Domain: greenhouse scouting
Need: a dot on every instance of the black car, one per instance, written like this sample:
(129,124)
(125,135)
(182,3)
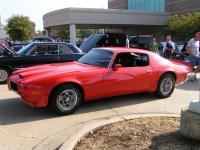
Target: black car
(36,53)
(140,41)
(104,40)
(179,53)
(17,46)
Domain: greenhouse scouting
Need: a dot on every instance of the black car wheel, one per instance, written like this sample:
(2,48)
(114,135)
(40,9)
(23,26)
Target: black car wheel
(165,86)
(4,74)
(66,99)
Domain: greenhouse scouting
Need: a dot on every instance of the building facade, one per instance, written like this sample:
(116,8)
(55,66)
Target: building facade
(133,17)
(173,6)
(156,6)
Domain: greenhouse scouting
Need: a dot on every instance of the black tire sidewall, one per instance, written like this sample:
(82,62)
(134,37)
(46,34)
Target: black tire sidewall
(54,103)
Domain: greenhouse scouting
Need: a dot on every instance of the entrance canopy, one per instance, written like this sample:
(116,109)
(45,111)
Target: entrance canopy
(84,18)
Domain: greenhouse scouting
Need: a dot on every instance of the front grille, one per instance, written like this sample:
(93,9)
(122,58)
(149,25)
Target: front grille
(13,86)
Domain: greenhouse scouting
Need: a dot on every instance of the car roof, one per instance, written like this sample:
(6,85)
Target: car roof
(49,43)
(123,49)
(42,37)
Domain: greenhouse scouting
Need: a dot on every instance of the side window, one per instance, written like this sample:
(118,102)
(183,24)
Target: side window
(64,50)
(41,49)
(132,60)
(53,49)
(33,51)
(142,60)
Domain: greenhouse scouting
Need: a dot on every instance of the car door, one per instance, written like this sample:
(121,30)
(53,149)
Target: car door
(135,75)
(43,54)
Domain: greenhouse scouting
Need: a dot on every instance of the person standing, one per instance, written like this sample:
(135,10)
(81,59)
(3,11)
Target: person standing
(127,42)
(168,47)
(84,39)
(154,46)
(193,50)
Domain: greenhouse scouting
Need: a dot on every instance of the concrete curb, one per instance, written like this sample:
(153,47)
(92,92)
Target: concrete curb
(83,129)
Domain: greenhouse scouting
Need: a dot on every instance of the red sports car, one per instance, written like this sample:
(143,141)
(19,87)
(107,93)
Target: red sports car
(103,72)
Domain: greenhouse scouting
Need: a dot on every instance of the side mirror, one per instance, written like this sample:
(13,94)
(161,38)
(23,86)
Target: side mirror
(117,66)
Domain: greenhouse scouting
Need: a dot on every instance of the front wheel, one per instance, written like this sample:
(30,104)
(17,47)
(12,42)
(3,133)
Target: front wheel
(66,99)
(4,74)
(165,86)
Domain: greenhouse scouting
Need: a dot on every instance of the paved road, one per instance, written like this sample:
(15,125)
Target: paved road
(24,127)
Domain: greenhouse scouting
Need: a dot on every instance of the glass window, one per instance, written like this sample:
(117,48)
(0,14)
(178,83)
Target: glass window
(146,5)
(97,57)
(41,49)
(64,50)
(53,49)
(25,50)
(131,59)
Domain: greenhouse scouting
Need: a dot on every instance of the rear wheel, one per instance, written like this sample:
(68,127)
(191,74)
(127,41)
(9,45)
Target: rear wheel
(66,99)
(165,86)
(4,74)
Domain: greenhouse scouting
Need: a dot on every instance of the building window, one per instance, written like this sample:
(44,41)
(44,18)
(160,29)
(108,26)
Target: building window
(146,5)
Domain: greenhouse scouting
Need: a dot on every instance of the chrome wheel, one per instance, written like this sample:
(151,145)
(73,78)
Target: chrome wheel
(4,73)
(165,86)
(67,100)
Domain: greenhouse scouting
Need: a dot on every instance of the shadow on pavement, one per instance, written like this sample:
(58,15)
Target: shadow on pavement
(13,111)
(189,86)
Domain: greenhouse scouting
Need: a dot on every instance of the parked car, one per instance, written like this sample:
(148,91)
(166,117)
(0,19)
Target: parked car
(104,40)
(36,54)
(179,54)
(41,39)
(140,41)
(102,72)
(17,46)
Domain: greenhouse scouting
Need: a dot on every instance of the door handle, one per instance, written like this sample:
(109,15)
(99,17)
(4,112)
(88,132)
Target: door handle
(149,71)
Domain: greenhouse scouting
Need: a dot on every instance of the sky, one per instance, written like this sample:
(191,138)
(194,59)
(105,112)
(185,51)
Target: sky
(35,9)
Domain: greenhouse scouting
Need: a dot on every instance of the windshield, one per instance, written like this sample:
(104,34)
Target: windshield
(97,57)
(25,49)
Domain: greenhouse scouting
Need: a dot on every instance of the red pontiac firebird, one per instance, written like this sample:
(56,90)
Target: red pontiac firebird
(102,72)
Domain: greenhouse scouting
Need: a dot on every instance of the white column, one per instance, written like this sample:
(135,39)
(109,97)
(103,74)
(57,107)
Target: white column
(72,33)
(48,32)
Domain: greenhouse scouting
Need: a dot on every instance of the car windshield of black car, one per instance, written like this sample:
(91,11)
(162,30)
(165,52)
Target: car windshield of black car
(25,49)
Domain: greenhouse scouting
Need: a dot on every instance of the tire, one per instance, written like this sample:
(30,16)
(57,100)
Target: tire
(66,99)
(165,86)
(4,74)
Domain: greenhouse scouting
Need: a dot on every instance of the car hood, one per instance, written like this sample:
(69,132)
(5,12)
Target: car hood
(54,69)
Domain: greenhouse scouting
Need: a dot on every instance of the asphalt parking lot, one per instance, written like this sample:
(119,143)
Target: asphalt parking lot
(24,127)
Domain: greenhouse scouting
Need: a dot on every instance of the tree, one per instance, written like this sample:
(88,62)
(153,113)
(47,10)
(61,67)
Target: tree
(182,28)
(63,33)
(43,32)
(85,32)
(20,27)
(39,32)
